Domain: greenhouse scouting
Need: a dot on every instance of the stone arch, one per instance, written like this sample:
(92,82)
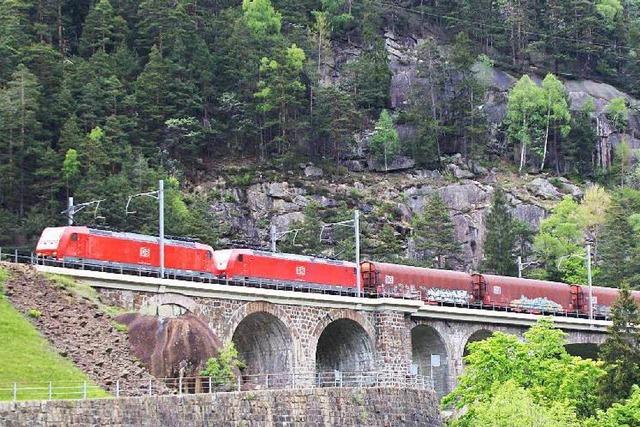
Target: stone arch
(426,345)
(343,340)
(584,344)
(168,305)
(478,335)
(264,338)
(584,350)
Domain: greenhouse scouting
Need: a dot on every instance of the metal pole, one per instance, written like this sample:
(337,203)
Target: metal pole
(161,224)
(273,238)
(519,266)
(70,211)
(589,282)
(356,226)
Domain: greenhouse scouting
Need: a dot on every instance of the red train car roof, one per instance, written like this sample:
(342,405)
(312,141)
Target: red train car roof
(517,281)
(287,256)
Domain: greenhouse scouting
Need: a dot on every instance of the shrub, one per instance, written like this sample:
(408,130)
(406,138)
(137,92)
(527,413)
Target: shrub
(34,313)
(221,368)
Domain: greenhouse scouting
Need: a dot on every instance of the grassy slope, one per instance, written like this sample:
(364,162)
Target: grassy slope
(28,359)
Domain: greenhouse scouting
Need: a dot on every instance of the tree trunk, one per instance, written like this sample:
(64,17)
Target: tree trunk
(546,133)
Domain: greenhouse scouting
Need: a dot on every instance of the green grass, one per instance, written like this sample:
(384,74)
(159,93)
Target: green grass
(27,359)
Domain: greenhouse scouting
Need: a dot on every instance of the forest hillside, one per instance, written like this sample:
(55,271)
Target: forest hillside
(438,120)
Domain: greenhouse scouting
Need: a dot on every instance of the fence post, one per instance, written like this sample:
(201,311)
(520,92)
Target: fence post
(210,388)
(150,387)
(239,383)
(180,384)
(15,255)
(50,390)
(15,391)
(117,388)
(84,390)
(0,253)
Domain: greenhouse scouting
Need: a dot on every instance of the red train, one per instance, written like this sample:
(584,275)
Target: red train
(126,251)
(129,251)
(248,264)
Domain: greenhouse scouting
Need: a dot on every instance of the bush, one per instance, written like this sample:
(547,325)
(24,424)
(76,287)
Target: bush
(221,368)
(120,327)
(33,313)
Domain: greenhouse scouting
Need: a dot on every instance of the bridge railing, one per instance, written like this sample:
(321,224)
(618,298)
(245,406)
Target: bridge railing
(202,384)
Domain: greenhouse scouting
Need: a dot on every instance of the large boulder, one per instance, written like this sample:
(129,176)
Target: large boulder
(540,187)
(167,346)
(397,164)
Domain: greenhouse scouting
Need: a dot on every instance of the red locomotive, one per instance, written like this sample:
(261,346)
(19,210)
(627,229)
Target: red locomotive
(125,251)
(248,264)
(137,252)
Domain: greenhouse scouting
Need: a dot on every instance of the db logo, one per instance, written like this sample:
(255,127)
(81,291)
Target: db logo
(145,252)
(300,270)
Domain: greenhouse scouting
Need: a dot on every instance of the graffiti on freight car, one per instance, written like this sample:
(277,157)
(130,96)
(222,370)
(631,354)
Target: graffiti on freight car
(541,304)
(601,310)
(450,296)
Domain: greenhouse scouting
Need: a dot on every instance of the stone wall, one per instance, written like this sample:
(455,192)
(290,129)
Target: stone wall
(317,407)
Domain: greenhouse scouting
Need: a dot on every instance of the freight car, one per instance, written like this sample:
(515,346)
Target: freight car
(428,284)
(532,296)
(254,265)
(125,251)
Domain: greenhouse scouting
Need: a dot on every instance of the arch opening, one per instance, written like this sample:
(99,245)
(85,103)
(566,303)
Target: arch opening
(264,344)
(584,350)
(478,335)
(344,346)
(429,357)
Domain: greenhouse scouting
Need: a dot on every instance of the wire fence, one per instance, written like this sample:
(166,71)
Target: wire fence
(197,385)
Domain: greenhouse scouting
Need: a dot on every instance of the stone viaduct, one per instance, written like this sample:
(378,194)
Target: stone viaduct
(283,331)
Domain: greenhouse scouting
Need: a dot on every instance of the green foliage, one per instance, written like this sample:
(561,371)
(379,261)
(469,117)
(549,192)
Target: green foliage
(502,237)
(540,366)
(369,78)
(620,414)
(124,329)
(512,405)
(536,112)
(261,18)
(618,249)
(433,234)
(562,238)
(621,350)
(385,143)
(103,29)
(34,313)
(222,368)
(617,112)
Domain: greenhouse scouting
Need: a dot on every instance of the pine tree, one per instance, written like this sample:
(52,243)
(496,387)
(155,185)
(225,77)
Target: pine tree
(103,29)
(621,351)
(617,243)
(501,237)
(19,128)
(434,234)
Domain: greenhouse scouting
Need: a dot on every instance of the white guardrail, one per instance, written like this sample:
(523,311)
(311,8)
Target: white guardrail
(195,385)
